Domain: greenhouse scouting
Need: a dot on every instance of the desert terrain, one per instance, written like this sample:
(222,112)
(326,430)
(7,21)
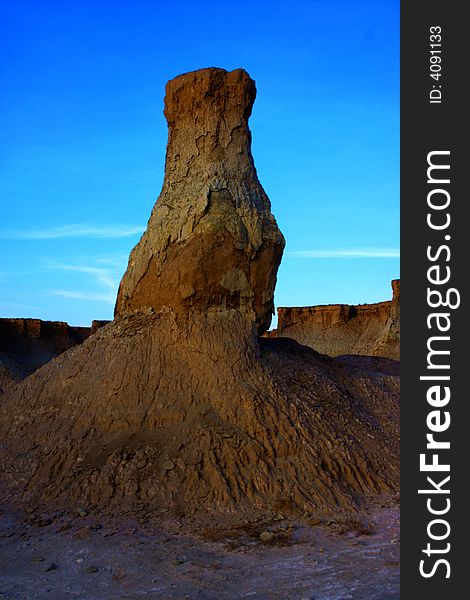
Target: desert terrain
(180,450)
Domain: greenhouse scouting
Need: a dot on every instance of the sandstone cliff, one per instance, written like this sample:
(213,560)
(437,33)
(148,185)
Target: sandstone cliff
(337,329)
(178,405)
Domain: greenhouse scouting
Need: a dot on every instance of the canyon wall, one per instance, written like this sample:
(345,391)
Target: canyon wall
(339,329)
(27,344)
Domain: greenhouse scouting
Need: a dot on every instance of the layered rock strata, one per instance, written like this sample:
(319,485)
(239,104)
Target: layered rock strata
(337,329)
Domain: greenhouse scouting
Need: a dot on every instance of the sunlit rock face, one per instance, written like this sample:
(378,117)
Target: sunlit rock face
(338,329)
(211,241)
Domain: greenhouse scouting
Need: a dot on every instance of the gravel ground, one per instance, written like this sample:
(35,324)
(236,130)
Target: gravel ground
(91,560)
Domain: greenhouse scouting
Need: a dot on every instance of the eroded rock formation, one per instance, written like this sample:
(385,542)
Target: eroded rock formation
(177,404)
(211,241)
(338,329)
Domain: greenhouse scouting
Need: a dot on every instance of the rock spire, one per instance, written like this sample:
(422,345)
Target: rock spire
(211,241)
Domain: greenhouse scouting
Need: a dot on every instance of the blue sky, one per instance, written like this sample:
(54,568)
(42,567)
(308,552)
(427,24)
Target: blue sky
(82,140)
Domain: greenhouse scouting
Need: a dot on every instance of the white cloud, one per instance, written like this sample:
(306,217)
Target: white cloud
(96,297)
(75,231)
(116,260)
(348,253)
(105,279)
(103,276)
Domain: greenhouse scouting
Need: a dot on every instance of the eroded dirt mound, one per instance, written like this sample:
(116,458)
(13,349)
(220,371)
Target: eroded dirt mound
(196,415)
(27,344)
(177,405)
(10,372)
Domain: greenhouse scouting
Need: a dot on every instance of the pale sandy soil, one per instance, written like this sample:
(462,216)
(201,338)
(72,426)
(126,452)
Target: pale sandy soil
(91,560)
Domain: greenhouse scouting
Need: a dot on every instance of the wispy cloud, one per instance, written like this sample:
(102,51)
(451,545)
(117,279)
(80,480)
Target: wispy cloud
(103,276)
(107,279)
(108,298)
(75,231)
(119,261)
(348,253)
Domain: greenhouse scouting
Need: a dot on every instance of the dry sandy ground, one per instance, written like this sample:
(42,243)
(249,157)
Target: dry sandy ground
(92,560)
